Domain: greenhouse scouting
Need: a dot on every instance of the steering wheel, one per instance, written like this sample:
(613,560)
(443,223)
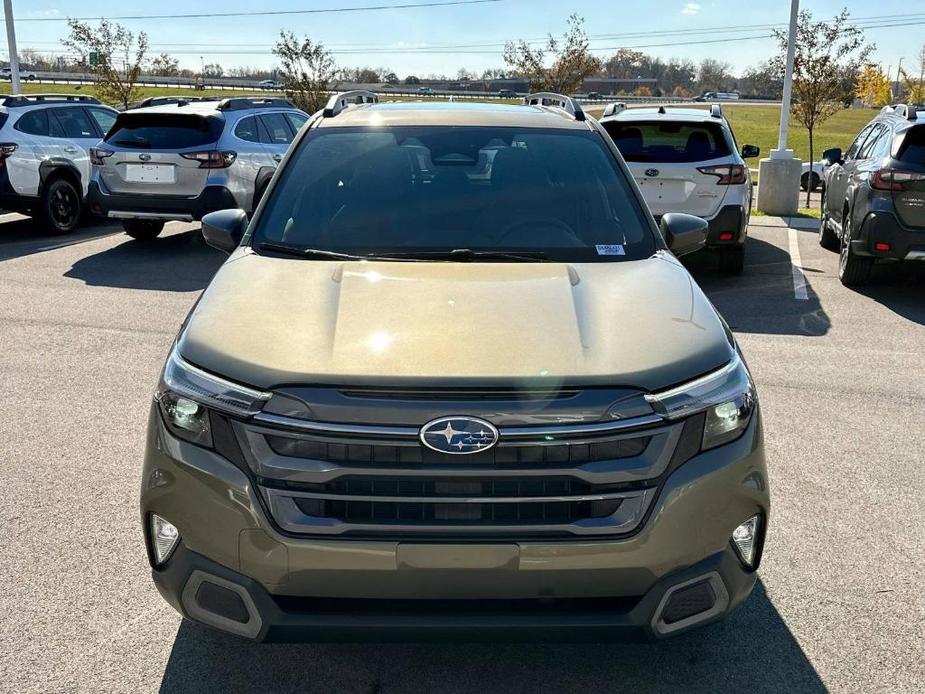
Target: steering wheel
(531,224)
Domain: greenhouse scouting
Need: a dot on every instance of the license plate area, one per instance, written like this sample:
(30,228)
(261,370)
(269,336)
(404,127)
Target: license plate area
(150,173)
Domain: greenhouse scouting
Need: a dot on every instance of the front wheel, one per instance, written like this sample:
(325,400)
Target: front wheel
(143,229)
(60,206)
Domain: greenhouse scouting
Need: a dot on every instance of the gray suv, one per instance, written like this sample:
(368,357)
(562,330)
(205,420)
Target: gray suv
(180,161)
(873,210)
(454,380)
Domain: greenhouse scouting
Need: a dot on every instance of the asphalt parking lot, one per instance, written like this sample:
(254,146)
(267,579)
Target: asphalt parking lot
(85,323)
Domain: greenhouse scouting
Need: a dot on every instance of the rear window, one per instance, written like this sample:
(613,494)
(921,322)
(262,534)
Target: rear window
(913,147)
(668,142)
(164,130)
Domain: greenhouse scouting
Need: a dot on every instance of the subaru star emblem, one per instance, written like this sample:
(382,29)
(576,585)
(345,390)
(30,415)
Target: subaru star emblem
(144,157)
(651,173)
(459,435)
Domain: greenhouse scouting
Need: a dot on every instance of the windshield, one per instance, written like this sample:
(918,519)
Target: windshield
(406,191)
(668,142)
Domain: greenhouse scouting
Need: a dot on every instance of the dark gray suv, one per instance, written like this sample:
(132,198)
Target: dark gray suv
(874,205)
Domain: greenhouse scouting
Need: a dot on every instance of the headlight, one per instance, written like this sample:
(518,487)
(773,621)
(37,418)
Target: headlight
(186,394)
(726,395)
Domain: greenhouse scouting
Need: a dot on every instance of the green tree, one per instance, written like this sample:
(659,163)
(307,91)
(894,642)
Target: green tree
(307,69)
(560,65)
(117,54)
(165,66)
(826,63)
(915,88)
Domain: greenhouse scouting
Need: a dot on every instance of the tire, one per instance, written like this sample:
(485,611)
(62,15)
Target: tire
(732,260)
(827,237)
(143,229)
(60,207)
(853,270)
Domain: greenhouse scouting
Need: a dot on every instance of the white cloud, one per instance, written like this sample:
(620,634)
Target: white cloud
(690,8)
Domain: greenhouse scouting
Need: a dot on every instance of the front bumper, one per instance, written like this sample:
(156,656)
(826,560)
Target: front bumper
(904,242)
(296,588)
(119,206)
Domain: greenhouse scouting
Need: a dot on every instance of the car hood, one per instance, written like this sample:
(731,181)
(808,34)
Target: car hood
(268,321)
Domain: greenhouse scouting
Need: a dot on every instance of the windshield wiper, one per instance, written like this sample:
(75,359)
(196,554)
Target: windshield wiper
(467,255)
(302,252)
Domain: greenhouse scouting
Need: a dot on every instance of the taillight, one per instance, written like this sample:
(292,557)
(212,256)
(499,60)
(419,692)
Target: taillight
(98,156)
(213,159)
(891,179)
(727,174)
(6,149)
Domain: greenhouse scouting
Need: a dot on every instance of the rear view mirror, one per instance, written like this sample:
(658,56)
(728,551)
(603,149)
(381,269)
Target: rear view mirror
(224,229)
(684,233)
(750,151)
(833,156)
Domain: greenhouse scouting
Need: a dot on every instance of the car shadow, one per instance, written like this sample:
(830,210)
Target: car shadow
(179,262)
(900,288)
(751,651)
(21,236)
(761,299)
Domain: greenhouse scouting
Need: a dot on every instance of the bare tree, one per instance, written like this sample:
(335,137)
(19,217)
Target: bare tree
(113,53)
(828,58)
(307,70)
(915,87)
(559,65)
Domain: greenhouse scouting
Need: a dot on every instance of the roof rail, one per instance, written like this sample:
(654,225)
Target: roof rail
(239,103)
(906,111)
(613,109)
(716,110)
(566,103)
(338,102)
(30,99)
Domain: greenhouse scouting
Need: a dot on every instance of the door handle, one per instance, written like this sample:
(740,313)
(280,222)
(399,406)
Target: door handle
(71,150)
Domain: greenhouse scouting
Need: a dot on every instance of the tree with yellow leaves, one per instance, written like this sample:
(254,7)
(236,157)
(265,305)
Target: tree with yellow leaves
(873,86)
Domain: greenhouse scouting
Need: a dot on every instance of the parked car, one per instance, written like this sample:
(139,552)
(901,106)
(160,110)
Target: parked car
(812,174)
(429,395)
(25,75)
(44,155)
(687,160)
(717,96)
(183,160)
(873,209)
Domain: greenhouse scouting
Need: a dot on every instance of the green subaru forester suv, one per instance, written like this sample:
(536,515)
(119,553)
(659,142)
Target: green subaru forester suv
(452,381)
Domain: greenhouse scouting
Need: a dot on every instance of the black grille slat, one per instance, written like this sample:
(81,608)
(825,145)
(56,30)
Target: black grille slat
(525,513)
(526,455)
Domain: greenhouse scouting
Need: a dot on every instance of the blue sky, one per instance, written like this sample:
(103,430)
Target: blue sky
(359,38)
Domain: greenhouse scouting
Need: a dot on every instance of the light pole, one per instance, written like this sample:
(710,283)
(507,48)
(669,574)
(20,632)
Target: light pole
(11,43)
(779,174)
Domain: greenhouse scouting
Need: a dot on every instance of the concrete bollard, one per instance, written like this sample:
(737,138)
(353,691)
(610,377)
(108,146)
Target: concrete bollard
(779,183)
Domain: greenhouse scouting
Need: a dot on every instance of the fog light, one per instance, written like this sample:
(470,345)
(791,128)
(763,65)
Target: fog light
(164,538)
(745,540)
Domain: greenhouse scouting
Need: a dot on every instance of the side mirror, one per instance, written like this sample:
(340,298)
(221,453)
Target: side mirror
(750,151)
(833,156)
(224,229)
(684,233)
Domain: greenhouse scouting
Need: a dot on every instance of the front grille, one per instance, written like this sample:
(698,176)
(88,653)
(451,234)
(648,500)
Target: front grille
(590,479)
(412,453)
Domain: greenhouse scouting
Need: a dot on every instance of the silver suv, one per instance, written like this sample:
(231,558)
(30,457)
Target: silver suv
(44,155)
(180,161)
(686,160)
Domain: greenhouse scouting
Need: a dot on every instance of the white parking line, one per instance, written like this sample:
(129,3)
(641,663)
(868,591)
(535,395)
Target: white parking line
(796,266)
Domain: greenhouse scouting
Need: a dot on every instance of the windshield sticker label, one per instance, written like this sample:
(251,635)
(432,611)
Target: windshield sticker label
(613,249)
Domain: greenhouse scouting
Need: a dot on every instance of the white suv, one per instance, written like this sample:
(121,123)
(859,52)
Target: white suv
(44,155)
(687,160)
